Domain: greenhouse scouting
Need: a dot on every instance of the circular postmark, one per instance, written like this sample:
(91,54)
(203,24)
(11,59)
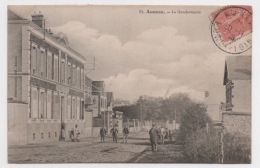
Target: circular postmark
(231,29)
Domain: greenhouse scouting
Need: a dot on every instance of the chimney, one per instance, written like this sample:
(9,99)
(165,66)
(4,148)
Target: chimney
(206,94)
(38,19)
(50,32)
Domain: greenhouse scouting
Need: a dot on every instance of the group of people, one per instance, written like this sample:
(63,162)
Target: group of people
(114,132)
(157,134)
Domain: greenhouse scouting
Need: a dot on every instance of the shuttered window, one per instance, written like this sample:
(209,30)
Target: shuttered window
(49,66)
(33,60)
(34,103)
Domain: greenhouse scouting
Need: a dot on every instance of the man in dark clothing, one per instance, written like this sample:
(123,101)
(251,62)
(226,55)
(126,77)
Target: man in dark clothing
(154,137)
(125,134)
(114,132)
(102,133)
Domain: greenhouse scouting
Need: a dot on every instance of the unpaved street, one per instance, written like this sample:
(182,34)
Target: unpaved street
(91,150)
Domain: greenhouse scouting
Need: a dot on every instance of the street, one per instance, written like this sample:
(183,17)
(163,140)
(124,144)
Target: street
(91,150)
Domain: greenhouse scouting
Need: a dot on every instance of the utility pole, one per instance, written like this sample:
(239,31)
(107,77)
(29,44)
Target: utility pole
(175,120)
(141,107)
(221,146)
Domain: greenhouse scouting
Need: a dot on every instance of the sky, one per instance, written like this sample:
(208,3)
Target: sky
(143,54)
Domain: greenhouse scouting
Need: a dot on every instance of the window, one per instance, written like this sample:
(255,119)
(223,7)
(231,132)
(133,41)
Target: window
(71,75)
(49,134)
(34,102)
(42,135)
(49,65)
(56,68)
(33,59)
(62,72)
(43,64)
(68,74)
(55,134)
(69,108)
(33,135)
(73,108)
(42,105)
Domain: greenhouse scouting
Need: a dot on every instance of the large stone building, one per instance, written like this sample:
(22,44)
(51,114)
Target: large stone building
(237,109)
(45,83)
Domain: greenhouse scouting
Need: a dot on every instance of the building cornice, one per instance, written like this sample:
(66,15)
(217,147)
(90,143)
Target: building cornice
(36,30)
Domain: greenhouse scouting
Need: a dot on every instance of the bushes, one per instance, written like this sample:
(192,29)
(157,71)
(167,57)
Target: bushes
(201,147)
(237,149)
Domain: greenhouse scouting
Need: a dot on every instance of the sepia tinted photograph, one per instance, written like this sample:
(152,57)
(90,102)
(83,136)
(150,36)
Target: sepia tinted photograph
(129,84)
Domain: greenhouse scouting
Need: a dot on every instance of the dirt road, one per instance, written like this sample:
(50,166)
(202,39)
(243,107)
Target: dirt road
(91,150)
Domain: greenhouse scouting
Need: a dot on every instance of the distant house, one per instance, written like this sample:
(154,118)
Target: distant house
(110,101)
(99,98)
(120,102)
(236,114)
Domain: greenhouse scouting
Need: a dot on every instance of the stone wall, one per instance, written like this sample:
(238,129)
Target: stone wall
(237,123)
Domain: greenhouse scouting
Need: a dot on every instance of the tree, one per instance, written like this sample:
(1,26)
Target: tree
(192,119)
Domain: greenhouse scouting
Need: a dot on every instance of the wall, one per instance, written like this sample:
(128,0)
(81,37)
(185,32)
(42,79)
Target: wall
(96,130)
(43,132)
(18,62)
(88,116)
(241,96)
(237,123)
(17,123)
(94,107)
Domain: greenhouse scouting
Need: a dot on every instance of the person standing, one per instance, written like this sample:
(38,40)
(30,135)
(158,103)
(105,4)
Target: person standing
(162,134)
(125,134)
(76,133)
(153,137)
(102,133)
(170,135)
(114,133)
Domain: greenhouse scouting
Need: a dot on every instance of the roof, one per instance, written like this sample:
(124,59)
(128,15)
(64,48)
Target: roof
(98,86)
(122,102)
(14,16)
(60,38)
(237,67)
(109,98)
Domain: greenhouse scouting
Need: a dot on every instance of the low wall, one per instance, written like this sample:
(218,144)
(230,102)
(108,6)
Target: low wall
(237,123)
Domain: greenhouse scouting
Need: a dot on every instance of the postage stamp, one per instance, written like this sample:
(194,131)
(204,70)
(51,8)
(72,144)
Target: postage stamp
(231,29)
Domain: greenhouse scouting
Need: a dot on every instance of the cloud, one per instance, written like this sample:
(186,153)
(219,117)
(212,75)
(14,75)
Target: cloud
(151,62)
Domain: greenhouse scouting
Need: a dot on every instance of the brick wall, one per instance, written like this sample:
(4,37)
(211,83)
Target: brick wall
(237,123)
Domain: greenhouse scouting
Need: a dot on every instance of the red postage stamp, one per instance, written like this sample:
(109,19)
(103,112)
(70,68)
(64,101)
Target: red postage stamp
(231,28)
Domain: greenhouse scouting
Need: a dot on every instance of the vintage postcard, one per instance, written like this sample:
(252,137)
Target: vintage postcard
(129,84)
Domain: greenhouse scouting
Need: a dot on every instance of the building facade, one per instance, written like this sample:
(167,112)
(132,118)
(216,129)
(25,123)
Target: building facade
(45,83)
(236,112)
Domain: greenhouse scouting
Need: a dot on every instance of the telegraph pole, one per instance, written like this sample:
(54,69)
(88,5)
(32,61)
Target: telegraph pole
(141,107)
(175,120)
(221,146)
